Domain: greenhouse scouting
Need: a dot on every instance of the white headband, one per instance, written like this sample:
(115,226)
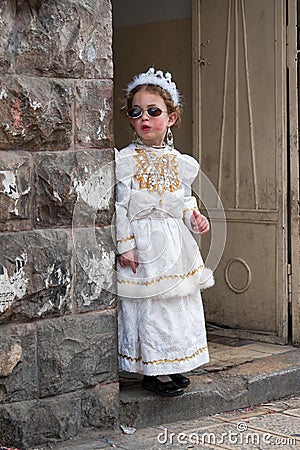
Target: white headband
(157,79)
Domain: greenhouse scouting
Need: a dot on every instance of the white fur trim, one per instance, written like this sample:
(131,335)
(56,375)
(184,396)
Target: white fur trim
(166,288)
(206,279)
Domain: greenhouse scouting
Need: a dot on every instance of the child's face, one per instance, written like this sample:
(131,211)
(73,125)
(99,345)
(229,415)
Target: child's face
(151,130)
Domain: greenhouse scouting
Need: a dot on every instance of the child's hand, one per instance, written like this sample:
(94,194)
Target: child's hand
(199,223)
(129,259)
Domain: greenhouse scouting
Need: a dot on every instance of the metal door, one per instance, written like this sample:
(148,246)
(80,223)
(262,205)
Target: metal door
(240,131)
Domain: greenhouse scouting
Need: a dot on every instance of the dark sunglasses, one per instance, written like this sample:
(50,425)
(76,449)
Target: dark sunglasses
(136,113)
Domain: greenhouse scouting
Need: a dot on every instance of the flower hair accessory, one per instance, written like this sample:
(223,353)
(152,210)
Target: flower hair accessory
(157,79)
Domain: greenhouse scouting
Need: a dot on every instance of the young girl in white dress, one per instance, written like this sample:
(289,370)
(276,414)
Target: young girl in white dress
(160,269)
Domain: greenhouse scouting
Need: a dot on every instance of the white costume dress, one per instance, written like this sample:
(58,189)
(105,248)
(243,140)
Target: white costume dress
(160,313)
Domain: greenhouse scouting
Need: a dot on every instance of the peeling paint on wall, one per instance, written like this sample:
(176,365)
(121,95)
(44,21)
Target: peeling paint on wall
(91,54)
(56,196)
(9,360)
(9,184)
(8,179)
(35,105)
(13,286)
(3,94)
(96,190)
(101,132)
(58,279)
(99,274)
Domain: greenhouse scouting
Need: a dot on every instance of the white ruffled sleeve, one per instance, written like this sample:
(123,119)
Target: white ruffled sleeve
(124,172)
(190,170)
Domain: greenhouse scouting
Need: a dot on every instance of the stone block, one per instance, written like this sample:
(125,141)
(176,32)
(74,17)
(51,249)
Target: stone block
(64,39)
(32,423)
(100,406)
(76,352)
(94,114)
(8,35)
(35,113)
(15,191)
(205,396)
(95,276)
(18,371)
(35,274)
(74,188)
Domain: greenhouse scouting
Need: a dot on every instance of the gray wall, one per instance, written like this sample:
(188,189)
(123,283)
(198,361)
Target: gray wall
(146,34)
(138,12)
(58,363)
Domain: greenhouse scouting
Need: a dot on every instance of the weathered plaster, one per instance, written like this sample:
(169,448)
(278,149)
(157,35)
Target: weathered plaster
(96,190)
(10,188)
(98,268)
(13,286)
(9,359)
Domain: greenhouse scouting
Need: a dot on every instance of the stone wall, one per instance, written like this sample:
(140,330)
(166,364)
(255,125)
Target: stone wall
(58,367)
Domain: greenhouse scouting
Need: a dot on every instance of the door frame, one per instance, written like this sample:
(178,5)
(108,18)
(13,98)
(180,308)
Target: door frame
(293,176)
(291,135)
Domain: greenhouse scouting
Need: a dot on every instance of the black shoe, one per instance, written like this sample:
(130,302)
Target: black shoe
(165,389)
(180,380)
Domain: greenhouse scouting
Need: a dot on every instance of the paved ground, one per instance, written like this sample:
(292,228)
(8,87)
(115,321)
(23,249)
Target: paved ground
(270,425)
(239,371)
(240,374)
(267,426)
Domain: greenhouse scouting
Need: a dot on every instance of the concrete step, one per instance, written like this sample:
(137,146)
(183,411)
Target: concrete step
(259,381)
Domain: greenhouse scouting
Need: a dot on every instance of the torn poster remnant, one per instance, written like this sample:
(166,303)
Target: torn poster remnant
(13,286)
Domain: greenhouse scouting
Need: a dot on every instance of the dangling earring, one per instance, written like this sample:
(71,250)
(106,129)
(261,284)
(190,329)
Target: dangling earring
(170,139)
(136,139)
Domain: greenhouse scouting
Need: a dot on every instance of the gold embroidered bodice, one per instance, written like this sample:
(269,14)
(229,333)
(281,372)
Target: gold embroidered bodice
(156,172)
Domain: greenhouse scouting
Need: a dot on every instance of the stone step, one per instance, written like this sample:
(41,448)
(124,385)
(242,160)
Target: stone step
(259,381)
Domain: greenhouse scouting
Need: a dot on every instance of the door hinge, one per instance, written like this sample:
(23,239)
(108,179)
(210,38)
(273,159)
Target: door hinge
(289,279)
